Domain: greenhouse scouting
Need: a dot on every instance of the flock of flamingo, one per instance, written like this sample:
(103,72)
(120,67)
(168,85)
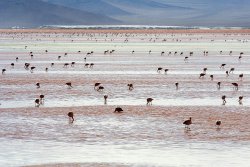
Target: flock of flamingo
(99,87)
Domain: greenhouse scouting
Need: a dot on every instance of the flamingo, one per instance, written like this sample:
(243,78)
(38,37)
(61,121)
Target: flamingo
(206,53)
(118,110)
(3,71)
(177,85)
(26,66)
(223,66)
(12,65)
(166,71)
(186,59)
(105,99)
(202,75)
(218,123)
(218,85)
(65,65)
(236,86)
(232,70)
(240,57)
(241,77)
(204,70)
(149,101)
(41,99)
(69,84)
(37,85)
(223,100)
(159,69)
(91,65)
(240,100)
(130,87)
(32,69)
(100,88)
(37,103)
(96,85)
(212,77)
(71,117)
(187,123)
(86,65)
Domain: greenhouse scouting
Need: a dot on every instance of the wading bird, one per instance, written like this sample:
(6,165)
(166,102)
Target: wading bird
(71,117)
(218,123)
(187,123)
(149,101)
(130,87)
(159,69)
(240,100)
(3,71)
(105,99)
(241,77)
(223,100)
(212,77)
(37,103)
(118,110)
(202,75)
(177,85)
(96,85)
(218,85)
(236,86)
(100,88)
(69,85)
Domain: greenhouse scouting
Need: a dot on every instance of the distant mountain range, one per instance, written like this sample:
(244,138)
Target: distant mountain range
(35,13)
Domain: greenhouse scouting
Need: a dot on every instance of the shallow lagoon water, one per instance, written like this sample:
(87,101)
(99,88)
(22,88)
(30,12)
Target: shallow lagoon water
(33,136)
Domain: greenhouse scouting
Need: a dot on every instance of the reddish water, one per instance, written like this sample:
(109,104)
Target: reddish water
(142,135)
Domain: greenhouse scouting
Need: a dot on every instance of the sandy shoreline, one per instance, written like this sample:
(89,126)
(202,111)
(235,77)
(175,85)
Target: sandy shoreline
(143,31)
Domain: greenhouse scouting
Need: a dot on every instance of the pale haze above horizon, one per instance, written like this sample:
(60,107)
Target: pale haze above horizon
(210,13)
